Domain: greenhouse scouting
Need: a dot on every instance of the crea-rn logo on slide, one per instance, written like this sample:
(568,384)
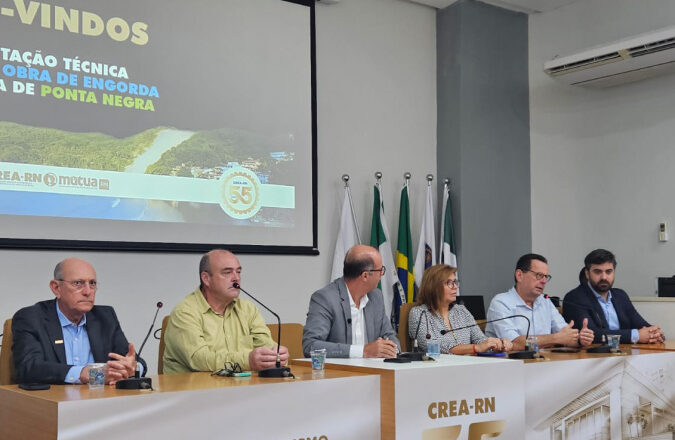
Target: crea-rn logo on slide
(240,193)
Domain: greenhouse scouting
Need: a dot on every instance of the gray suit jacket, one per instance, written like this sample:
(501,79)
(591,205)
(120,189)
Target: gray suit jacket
(329,320)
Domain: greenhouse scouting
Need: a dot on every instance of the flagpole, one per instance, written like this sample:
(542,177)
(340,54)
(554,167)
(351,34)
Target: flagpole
(378,183)
(407,177)
(345,179)
(441,232)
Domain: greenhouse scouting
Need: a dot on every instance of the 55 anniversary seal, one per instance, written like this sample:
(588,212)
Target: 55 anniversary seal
(240,193)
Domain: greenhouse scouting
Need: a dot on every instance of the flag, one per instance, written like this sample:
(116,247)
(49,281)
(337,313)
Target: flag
(448,254)
(346,238)
(379,239)
(426,249)
(404,257)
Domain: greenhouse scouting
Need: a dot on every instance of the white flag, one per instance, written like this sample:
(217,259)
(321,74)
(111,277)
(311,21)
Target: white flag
(448,254)
(426,249)
(346,237)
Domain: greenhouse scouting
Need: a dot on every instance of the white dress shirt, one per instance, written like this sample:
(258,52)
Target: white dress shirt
(358,326)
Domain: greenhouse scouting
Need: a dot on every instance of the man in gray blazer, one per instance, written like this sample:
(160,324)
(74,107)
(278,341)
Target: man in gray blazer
(347,316)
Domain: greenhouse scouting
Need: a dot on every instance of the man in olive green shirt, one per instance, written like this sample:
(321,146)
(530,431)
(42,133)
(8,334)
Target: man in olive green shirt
(212,325)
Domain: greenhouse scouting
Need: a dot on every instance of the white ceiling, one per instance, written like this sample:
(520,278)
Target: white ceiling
(527,6)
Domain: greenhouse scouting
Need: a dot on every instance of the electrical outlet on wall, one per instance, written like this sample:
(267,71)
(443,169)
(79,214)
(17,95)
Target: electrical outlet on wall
(663,231)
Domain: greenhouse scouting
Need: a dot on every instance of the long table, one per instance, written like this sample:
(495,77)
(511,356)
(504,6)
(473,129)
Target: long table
(560,396)
(668,345)
(200,405)
(450,398)
(594,396)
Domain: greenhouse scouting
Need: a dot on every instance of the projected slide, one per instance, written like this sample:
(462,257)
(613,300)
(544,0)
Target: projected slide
(157,121)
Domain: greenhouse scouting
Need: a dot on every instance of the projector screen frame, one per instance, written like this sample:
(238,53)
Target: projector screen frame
(156,246)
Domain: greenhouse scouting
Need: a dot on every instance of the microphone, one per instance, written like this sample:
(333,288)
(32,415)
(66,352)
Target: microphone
(417,330)
(160,304)
(137,382)
(522,354)
(277,370)
(603,347)
(415,354)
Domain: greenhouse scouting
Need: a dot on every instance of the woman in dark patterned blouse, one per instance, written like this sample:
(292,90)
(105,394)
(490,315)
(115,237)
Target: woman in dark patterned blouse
(437,297)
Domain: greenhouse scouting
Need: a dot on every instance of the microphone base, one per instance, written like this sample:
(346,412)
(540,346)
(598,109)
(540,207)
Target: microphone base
(564,350)
(599,349)
(412,355)
(134,383)
(523,354)
(275,372)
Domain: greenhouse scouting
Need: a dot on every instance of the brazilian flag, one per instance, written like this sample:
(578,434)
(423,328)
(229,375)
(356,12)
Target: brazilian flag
(404,248)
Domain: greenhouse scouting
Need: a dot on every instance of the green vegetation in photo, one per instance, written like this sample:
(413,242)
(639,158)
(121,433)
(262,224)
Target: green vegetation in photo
(215,148)
(49,146)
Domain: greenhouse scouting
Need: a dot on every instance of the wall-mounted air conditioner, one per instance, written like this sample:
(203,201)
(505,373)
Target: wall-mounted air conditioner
(627,60)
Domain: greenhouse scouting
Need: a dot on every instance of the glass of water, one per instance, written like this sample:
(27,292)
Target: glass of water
(434,348)
(532,344)
(97,375)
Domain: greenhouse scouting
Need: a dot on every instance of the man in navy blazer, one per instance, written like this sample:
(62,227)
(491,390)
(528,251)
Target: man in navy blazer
(609,310)
(347,316)
(54,340)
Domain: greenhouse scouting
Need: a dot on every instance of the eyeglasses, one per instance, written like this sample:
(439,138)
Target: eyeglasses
(79,284)
(452,283)
(230,369)
(539,275)
(382,270)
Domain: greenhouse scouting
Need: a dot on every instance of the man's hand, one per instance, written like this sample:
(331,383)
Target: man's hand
(651,335)
(283,354)
(586,335)
(568,335)
(84,375)
(121,367)
(507,345)
(644,335)
(658,334)
(265,357)
(380,348)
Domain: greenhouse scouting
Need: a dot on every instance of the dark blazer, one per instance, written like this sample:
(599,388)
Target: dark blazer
(581,303)
(37,356)
(329,320)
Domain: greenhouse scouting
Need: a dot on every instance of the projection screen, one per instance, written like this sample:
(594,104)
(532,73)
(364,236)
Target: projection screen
(158,125)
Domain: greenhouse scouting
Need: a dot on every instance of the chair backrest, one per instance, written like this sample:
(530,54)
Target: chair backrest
(403,336)
(291,338)
(475,304)
(160,361)
(6,358)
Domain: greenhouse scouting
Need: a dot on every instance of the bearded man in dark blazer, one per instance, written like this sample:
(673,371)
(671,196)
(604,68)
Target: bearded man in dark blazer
(609,310)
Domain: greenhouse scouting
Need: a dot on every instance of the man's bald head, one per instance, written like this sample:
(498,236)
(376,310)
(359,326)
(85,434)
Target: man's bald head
(359,258)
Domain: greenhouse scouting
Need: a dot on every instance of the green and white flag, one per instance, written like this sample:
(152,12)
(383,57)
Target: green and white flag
(448,254)
(379,239)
